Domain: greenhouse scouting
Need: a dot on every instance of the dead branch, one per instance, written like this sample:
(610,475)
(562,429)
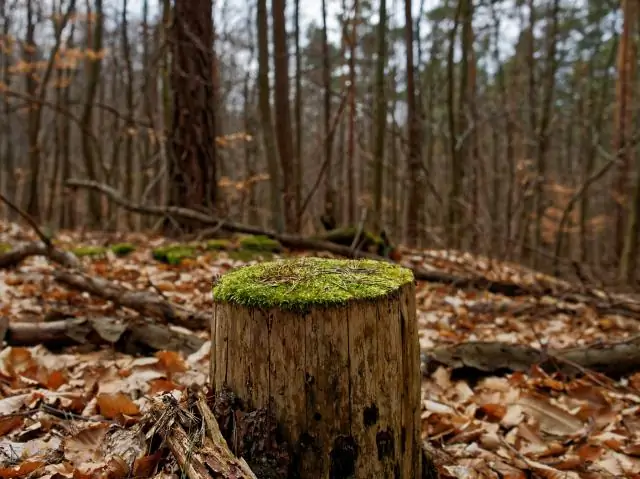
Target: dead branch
(144,302)
(612,359)
(298,242)
(44,238)
(17,255)
(198,450)
(126,335)
(597,299)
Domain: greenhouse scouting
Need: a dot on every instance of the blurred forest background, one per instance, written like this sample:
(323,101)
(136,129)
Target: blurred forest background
(500,127)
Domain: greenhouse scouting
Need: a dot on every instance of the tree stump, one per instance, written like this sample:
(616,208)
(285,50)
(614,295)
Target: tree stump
(331,346)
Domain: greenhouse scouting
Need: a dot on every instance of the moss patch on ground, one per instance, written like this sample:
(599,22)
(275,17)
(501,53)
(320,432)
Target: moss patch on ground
(5,247)
(218,245)
(260,243)
(173,254)
(122,249)
(298,284)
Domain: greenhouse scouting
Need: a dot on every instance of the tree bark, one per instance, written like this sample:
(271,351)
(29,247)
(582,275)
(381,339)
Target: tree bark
(284,135)
(270,148)
(193,159)
(341,377)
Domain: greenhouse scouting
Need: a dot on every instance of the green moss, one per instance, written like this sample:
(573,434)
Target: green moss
(260,243)
(122,249)
(90,251)
(5,247)
(250,255)
(301,283)
(218,244)
(173,254)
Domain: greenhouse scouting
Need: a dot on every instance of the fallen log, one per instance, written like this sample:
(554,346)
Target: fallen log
(144,302)
(612,359)
(129,336)
(299,242)
(17,255)
(599,300)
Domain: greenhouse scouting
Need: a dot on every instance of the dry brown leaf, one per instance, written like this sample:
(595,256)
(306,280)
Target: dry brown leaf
(115,405)
(552,419)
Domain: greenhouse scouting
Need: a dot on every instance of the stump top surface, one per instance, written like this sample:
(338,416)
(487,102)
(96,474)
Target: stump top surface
(300,283)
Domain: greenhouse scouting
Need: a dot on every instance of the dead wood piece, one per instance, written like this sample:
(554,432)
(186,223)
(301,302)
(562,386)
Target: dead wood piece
(299,242)
(17,255)
(128,335)
(144,302)
(599,300)
(201,453)
(612,359)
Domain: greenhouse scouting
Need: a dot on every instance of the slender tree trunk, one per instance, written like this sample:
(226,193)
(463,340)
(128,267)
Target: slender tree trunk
(93,69)
(284,135)
(264,92)
(416,172)
(380,119)
(130,128)
(351,140)
(624,114)
(542,131)
(454,207)
(298,111)
(329,195)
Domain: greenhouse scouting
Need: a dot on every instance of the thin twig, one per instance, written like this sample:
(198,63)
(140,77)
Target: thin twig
(43,237)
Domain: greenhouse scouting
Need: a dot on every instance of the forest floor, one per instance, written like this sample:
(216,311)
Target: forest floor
(59,408)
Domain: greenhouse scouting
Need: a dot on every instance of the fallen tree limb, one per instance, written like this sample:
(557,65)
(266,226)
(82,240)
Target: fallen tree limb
(297,242)
(613,359)
(17,255)
(144,302)
(125,335)
(599,300)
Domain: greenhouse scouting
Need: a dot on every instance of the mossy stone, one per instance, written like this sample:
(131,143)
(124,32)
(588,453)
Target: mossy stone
(122,249)
(5,247)
(218,245)
(89,251)
(173,254)
(260,243)
(302,283)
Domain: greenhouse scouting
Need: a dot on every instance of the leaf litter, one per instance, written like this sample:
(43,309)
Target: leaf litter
(79,411)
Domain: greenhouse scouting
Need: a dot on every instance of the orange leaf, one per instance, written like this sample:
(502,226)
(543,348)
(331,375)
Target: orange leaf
(113,405)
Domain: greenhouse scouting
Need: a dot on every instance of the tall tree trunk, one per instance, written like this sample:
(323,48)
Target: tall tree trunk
(34,116)
(193,159)
(93,68)
(264,93)
(8,152)
(129,176)
(284,135)
(329,195)
(351,135)
(298,110)
(380,118)
(416,172)
(542,131)
(454,206)
(624,113)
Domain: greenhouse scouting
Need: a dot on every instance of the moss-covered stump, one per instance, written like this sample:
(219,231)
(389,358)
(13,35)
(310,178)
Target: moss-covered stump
(332,347)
